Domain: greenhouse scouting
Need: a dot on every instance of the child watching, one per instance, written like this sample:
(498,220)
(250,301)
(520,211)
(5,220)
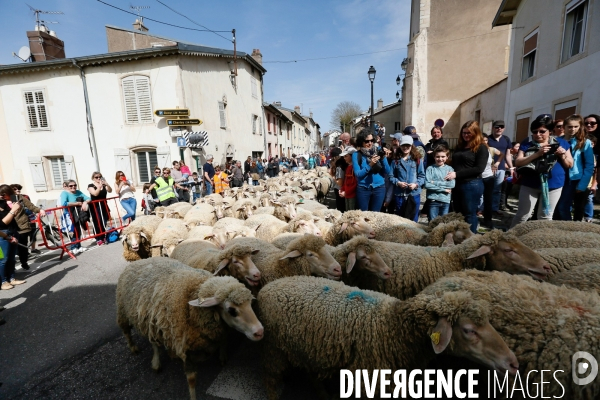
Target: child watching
(147,200)
(438,189)
(196,187)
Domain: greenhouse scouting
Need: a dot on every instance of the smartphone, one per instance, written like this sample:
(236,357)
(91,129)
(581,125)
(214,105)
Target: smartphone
(553,148)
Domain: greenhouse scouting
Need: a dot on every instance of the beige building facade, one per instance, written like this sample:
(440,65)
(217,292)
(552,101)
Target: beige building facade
(453,54)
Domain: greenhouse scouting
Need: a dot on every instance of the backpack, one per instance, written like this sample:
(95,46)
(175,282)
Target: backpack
(113,236)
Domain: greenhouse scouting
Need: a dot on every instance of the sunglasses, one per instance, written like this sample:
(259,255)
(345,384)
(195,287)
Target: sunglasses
(499,127)
(591,123)
(540,131)
(369,141)
(560,126)
(166,173)
(98,177)
(72,186)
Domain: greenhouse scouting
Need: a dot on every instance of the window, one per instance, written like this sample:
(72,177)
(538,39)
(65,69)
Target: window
(255,119)
(269,126)
(254,87)
(566,109)
(137,99)
(529,52)
(222,118)
(36,109)
(522,127)
(279,128)
(146,161)
(575,25)
(59,171)
(397,127)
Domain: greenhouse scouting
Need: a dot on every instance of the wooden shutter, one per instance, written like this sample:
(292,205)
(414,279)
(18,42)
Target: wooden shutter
(259,122)
(123,161)
(131,114)
(222,114)
(565,112)
(69,165)
(530,44)
(164,156)
(137,99)
(36,165)
(36,109)
(522,129)
(142,89)
(254,88)
(253,123)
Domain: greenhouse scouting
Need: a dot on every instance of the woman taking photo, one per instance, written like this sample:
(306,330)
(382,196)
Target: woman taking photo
(575,192)
(468,161)
(8,241)
(542,164)
(98,190)
(370,171)
(407,177)
(125,190)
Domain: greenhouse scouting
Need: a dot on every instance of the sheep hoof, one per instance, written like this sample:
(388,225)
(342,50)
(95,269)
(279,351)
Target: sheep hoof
(223,358)
(134,349)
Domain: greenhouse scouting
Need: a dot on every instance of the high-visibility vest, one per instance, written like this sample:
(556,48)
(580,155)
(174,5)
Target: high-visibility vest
(164,190)
(220,185)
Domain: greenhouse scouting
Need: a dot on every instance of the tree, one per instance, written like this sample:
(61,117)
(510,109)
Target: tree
(343,114)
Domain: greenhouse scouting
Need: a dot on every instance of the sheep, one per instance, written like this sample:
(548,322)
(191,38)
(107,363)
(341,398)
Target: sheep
(264,200)
(201,214)
(555,238)
(306,255)
(188,248)
(545,325)
(311,206)
(351,224)
(243,209)
(445,235)
(444,219)
(322,327)
(137,237)
(360,257)
(380,221)
(182,309)
(168,234)
(268,227)
(328,215)
(415,267)
(561,260)
(285,208)
(571,226)
(177,210)
(325,184)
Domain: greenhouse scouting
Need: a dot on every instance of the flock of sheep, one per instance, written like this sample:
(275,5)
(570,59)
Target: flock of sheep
(360,290)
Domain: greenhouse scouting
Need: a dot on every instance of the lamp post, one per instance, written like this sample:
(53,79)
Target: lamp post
(372,78)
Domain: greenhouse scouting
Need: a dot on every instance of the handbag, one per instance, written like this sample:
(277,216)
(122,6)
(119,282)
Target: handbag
(255,176)
(411,208)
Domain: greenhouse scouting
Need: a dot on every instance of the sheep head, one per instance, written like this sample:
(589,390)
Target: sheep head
(358,225)
(305,225)
(167,247)
(232,302)
(246,209)
(313,249)
(287,205)
(134,240)
(503,251)
(237,259)
(362,255)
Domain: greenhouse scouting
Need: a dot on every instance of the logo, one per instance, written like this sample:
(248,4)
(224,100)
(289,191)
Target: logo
(579,367)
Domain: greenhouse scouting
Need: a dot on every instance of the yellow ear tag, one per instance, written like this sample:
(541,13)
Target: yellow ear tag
(435,337)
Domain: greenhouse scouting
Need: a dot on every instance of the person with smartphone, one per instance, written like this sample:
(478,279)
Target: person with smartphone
(8,242)
(125,190)
(370,171)
(24,222)
(98,190)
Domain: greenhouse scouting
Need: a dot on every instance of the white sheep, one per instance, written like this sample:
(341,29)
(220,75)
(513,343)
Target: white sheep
(169,233)
(137,237)
(268,227)
(183,309)
(565,226)
(243,209)
(352,223)
(201,214)
(556,238)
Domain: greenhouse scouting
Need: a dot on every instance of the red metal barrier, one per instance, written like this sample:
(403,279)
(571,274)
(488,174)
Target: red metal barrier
(60,230)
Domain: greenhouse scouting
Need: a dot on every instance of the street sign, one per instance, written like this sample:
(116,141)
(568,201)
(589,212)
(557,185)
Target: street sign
(196,140)
(183,122)
(439,122)
(179,112)
(181,142)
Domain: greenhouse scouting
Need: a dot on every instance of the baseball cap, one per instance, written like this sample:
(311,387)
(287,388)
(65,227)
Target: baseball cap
(406,139)
(410,130)
(350,150)
(397,136)
(209,157)
(336,151)
(499,122)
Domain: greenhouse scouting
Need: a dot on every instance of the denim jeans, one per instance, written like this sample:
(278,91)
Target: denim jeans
(436,209)
(7,264)
(570,197)
(588,210)
(129,205)
(370,198)
(466,199)
(197,195)
(485,204)
(209,188)
(496,194)
(401,203)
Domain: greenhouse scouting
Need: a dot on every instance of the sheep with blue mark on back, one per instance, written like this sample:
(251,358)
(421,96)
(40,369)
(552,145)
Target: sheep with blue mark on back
(322,327)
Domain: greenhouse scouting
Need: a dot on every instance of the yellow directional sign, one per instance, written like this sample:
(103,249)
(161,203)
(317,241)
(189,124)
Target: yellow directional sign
(177,112)
(183,122)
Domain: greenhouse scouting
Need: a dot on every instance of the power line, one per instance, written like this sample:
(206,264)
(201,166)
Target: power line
(160,22)
(192,21)
(342,56)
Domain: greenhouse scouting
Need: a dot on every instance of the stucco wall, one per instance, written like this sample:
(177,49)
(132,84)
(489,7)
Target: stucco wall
(489,103)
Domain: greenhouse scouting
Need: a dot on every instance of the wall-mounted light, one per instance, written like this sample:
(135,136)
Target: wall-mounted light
(405,63)
(398,80)
(397,95)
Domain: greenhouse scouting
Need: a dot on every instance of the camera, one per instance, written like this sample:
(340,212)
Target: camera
(553,148)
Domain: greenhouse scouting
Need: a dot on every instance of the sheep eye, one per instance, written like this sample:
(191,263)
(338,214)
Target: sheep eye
(469,332)
(232,311)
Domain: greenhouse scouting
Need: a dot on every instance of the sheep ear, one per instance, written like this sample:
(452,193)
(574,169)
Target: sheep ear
(124,239)
(449,240)
(480,251)
(292,254)
(343,228)
(208,302)
(240,208)
(350,262)
(180,240)
(222,264)
(275,202)
(226,207)
(367,220)
(154,246)
(441,335)
(316,219)
(255,252)
(258,226)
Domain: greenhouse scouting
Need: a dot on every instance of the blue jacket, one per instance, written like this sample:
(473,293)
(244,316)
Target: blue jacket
(436,185)
(409,171)
(583,164)
(363,173)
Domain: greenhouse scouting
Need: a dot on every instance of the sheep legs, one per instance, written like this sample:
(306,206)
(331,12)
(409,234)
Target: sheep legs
(155,358)
(190,373)
(126,328)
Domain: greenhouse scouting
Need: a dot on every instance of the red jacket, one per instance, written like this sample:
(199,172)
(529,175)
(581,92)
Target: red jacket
(350,183)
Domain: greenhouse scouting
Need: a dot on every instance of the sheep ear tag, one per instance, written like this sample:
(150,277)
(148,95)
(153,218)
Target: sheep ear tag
(222,264)
(350,262)
(208,302)
(480,252)
(442,333)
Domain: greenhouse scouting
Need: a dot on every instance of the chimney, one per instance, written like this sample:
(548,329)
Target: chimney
(257,55)
(297,109)
(277,103)
(311,114)
(379,104)
(139,26)
(44,45)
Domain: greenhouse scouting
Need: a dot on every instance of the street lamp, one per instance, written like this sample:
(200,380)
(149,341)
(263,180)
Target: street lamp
(372,78)
(397,95)
(398,80)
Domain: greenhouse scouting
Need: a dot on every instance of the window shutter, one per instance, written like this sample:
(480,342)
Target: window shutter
(123,162)
(130,102)
(222,114)
(36,166)
(164,156)
(36,109)
(69,166)
(142,88)
(530,44)
(30,104)
(137,98)
(254,88)
(59,172)
(259,121)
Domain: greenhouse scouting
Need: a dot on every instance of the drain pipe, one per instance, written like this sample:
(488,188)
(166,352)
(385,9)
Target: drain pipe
(88,113)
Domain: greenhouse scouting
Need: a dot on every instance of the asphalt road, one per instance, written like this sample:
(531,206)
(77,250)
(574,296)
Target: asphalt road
(61,341)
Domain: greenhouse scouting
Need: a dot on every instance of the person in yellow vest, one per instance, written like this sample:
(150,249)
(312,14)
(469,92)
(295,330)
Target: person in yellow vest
(164,188)
(221,180)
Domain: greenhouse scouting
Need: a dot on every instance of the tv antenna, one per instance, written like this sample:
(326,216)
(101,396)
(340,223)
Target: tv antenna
(137,10)
(37,15)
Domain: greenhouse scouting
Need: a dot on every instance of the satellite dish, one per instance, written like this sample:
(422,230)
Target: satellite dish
(24,53)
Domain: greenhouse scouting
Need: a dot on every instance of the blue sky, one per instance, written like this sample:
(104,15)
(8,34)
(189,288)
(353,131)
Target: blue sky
(282,30)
